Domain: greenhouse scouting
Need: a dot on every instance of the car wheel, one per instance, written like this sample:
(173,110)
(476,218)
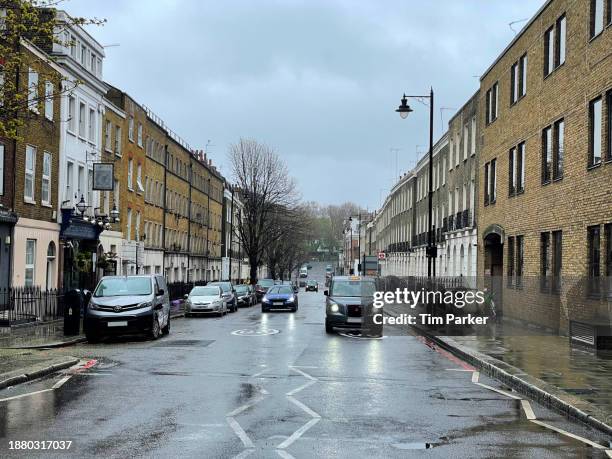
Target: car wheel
(294,309)
(187,314)
(155,330)
(264,309)
(166,329)
(328,327)
(92,338)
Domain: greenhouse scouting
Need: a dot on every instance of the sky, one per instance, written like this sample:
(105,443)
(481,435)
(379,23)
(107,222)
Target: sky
(317,80)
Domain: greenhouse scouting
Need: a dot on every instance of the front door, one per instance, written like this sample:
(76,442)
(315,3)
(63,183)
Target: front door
(5,257)
(494,269)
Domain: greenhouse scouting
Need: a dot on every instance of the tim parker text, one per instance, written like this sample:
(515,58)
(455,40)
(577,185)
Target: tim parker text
(428,319)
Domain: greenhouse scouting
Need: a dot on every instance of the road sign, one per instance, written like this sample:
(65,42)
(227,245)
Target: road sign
(381,255)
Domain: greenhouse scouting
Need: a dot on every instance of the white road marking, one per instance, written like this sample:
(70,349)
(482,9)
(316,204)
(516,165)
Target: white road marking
(298,433)
(245,453)
(528,411)
(475,376)
(246,441)
(61,382)
(245,407)
(609,452)
(284,454)
(301,388)
(568,434)
(303,373)
(303,407)
(15,397)
(499,391)
(303,366)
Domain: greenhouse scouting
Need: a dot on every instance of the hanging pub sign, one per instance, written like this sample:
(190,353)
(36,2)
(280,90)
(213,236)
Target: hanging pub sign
(103,176)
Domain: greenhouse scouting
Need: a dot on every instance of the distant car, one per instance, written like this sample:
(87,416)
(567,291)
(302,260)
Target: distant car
(279,297)
(309,266)
(206,299)
(128,304)
(244,295)
(228,294)
(312,286)
(262,287)
(346,298)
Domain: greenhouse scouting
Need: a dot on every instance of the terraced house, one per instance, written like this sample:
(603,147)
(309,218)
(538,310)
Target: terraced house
(545,169)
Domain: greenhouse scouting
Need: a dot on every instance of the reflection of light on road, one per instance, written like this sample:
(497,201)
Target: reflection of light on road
(333,359)
(264,320)
(291,324)
(32,410)
(374,357)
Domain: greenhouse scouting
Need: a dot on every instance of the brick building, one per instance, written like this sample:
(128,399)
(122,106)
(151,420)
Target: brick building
(545,168)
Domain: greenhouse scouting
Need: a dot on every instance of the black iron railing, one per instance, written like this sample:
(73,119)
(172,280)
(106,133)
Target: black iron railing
(29,304)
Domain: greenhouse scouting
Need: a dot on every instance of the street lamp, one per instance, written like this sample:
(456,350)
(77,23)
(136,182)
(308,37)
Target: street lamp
(82,205)
(404,110)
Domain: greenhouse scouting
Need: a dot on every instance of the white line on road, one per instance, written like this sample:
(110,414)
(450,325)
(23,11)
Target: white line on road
(15,397)
(303,407)
(245,407)
(301,388)
(609,452)
(245,453)
(61,382)
(499,391)
(284,454)
(568,434)
(528,411)
(298,433)
(246,441)
(475,376)
(303,373)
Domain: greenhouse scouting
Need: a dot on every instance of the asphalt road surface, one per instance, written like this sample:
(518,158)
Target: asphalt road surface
(276,385)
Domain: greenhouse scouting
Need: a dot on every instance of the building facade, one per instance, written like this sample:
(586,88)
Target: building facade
(545,168)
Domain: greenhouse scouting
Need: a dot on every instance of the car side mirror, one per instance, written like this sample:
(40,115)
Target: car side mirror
(160,292)
(326,292)
(185,296)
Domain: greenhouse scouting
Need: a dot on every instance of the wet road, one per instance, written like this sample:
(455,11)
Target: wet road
(275,385)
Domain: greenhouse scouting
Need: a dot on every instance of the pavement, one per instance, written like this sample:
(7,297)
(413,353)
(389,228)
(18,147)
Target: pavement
(276,385)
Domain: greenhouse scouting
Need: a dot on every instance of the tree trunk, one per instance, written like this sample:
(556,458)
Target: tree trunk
(253,272)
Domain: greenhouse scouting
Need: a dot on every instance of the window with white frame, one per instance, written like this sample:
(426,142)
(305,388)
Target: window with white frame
(91,126)
(118,140)
(45,192)
(131,129)
(140,135)
(139,186)
(30,262)
(33,90)
(466,138)
(492,99)
(130,173)
(82,119)
(71,114)
(49,100)
(128,232)
(137,226)
(473,138)
(596,17)
(30,173)
(107,136)
(69,194)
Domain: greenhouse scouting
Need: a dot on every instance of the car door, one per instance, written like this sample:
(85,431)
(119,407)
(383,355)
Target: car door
(164,299)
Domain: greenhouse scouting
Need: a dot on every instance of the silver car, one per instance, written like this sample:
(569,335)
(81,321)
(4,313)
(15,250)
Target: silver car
(205,300)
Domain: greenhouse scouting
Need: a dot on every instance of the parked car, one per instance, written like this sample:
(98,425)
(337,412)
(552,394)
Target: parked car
(262,287)
(206,299)
(279,297)
(128,304)
(346,298)
(229,294)
(244,295)
(312,286)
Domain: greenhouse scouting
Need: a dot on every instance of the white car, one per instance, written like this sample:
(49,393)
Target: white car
(205,300)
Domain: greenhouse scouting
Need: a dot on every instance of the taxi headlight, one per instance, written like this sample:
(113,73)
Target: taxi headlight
(334,307)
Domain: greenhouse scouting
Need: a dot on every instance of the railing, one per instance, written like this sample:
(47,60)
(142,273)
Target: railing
(29,304)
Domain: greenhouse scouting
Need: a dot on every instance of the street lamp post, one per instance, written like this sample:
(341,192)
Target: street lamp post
(404,109)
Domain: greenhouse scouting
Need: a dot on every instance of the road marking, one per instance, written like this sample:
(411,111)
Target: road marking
(301,388)
(61,382)
(303,373)
(568,434)
(246,441)
(245,453)
(609,452)
(246,406)
(303,407)
(298,433)
(475,376)
(303,366)
(499,391)
(15,397)
(528,411)
(284,454)
(457,369)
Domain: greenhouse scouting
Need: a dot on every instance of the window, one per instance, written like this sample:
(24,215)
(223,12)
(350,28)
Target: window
(594,258)
(557,258)
(609,112)
(608,231)
(466,139)
(140,189)
(490,189)
(83,54)
(116,188)
(554,46)
(128,232)
(130,173)
(492,99)
(512,175)
(45,195)
(73,47)
(473,138)
(108,136)
(30,262)
(597,17)
(522,75)
(510,267)
(81,181)
(520,256)
(69,179)
(561,40)
(82,116)
(131,129)
(117,140)
(137,227)
(1,169)
(30,173)
(558,149)
(91,126)
(140,135)
(33,90)
(71,114)
(92,65)
(49,100)
(595,132)
(547,146)
(550,261)
(518,79)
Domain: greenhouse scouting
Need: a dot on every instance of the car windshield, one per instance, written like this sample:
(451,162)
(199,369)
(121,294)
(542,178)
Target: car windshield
(123,286)
(266,283)
(242,289)
(224,286)
(312,282)
(353,288)
(205,291)
(280,289)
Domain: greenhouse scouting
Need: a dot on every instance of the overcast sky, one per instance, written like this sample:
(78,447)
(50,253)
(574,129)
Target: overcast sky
(318,80)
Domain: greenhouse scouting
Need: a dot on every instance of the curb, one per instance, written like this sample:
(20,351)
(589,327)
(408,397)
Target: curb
(36,373)
(534,388)
(80,339)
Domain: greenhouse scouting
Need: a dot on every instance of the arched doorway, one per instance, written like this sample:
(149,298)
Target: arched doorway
(454,262)
(493,238)
(462,269)
(51,260)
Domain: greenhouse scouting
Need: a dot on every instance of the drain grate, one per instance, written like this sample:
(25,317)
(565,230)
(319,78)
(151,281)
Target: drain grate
(185,343)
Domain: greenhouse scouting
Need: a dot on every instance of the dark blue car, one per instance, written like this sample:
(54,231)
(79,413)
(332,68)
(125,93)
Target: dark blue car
(279,297)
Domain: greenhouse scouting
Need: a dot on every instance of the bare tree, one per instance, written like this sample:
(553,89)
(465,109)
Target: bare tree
(265,187)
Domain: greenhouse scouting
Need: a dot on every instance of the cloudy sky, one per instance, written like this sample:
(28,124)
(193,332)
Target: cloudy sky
(318,80)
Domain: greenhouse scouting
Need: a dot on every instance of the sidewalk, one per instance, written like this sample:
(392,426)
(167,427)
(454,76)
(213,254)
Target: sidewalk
(574,380)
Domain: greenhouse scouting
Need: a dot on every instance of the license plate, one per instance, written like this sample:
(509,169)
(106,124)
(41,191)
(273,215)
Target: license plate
(353,320)
(278,303)
(118,324)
